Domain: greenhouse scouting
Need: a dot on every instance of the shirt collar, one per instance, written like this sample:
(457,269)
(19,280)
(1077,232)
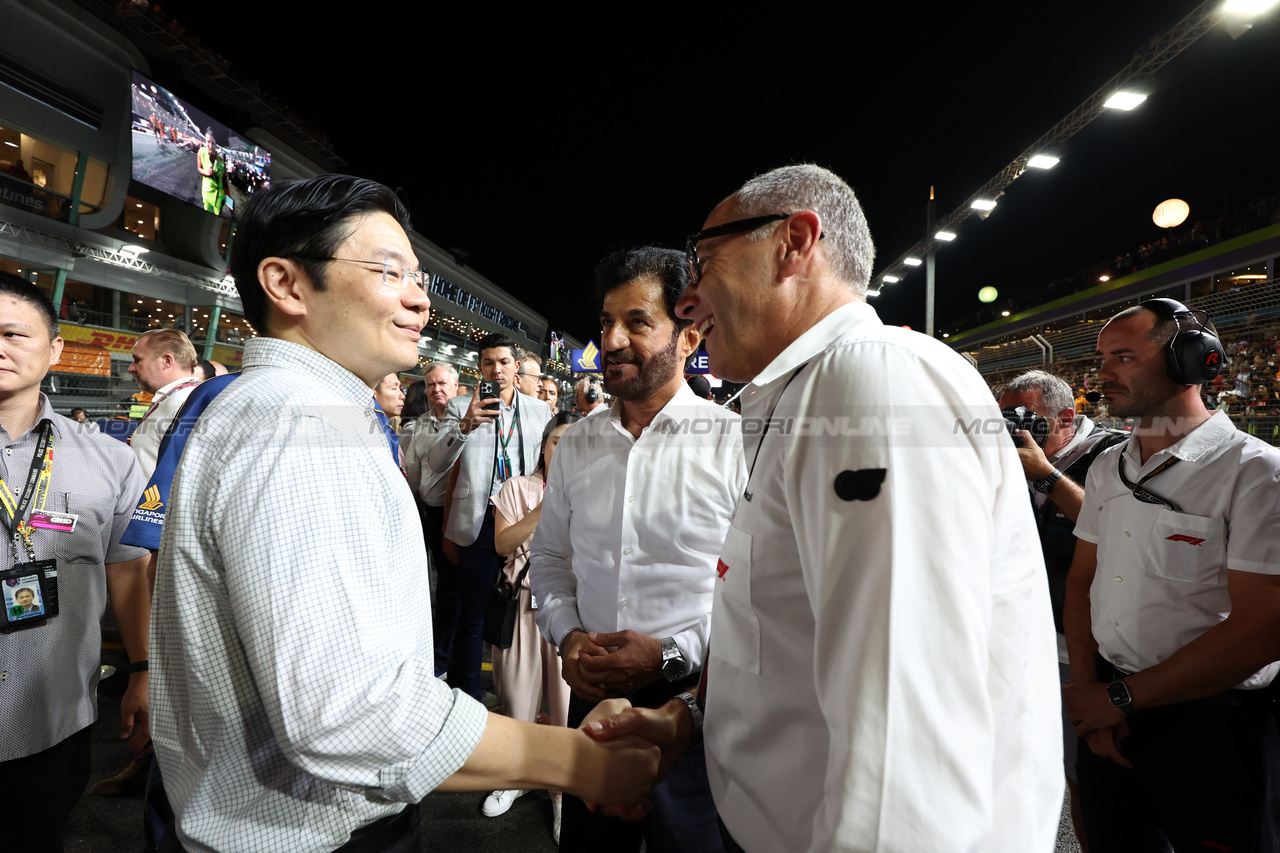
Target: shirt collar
(1194,444)
(174,384)
(46,411)
(1084,426)
(262,352)
(817,338)
(683,397)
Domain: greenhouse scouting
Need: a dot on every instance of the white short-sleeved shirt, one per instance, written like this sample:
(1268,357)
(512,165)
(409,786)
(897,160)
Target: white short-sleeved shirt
(882,674)
(1161,579)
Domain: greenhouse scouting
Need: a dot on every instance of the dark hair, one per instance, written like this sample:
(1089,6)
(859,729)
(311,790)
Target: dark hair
(78,409)
(497,341)
(302,220)
(415,402)
(699,385)
(667,266)
(559,419)
(207,368)
(19,288)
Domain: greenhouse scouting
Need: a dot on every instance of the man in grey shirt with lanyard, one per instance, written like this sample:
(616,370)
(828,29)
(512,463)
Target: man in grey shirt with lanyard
(494,438)
(51,647)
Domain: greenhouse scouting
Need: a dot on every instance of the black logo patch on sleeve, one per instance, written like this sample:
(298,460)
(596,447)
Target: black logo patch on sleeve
(859,485)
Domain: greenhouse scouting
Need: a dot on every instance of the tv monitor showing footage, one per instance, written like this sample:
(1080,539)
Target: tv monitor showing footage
(184,153)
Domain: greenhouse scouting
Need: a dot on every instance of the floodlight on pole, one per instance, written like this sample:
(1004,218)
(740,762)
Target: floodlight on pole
(945,236)
(983,204)
(1124,101)
(1042,161)
(912,262)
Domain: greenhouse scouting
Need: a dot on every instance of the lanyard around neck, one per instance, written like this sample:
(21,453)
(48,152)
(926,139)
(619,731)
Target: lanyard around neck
(38,477)
(1141,493)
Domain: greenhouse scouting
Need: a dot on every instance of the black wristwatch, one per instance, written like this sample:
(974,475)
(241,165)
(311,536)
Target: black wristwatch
(1045,484)
(674,666)
(1118,693)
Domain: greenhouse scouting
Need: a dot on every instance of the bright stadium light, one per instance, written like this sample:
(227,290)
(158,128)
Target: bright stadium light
(912,262)
(1124,100)
(983,204)
(945,236)
(1248,7)
(891,279)
(1042,161)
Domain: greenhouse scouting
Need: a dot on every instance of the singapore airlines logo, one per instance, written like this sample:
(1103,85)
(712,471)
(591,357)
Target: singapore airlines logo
(151,499)
(589,359)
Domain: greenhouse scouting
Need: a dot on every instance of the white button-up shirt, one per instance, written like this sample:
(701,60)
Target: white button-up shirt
(882,674)
(631,527)
(293,689)
(429,485)
(1161,579)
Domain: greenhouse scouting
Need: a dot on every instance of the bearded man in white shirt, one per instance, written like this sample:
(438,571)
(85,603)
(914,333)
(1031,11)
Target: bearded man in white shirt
(624,558)
(882,673)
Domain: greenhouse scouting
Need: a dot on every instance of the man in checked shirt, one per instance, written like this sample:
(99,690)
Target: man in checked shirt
(285,718)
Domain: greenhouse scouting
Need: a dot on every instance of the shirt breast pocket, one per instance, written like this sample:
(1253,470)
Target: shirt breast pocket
(735,630)
(84,544)
(1188,549)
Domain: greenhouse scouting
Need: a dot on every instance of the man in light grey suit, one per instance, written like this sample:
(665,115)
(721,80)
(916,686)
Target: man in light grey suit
(490,445)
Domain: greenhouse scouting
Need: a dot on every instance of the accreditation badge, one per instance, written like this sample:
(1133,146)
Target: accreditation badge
(29,593)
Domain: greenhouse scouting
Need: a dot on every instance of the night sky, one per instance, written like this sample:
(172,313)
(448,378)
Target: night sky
(537,141)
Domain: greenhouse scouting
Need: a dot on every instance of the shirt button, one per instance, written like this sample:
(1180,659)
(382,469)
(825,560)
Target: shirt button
(1118,579)
(628,551)
(1115,624)
(625,603)
(1127,534)
(631,499)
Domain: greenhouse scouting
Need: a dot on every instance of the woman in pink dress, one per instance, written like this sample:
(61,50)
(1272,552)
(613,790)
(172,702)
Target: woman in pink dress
(529,669)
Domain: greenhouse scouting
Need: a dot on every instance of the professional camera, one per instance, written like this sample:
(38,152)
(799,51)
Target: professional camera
(1020,417)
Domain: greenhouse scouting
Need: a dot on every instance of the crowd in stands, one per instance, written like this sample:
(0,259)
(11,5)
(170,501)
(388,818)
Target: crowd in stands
(1247,389)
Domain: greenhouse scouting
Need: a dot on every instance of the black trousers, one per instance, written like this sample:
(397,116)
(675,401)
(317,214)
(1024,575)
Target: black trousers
(1205,777)
(43,788)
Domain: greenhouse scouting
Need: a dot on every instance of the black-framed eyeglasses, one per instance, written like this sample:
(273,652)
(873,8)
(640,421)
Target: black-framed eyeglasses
(738,226)
(393,274)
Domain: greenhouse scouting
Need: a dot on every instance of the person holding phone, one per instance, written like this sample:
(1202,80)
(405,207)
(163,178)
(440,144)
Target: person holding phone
(495,435)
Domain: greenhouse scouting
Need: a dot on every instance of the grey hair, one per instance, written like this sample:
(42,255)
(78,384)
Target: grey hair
(1055,392)
(790,189)
(453,371)
(587,382)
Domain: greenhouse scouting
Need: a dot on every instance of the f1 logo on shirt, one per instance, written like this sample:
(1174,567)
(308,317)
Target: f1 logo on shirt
(721,568)
(1182,537)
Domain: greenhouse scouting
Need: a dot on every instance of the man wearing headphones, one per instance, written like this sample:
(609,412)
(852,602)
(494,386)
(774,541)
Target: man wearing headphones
(587,395)
(1173,605)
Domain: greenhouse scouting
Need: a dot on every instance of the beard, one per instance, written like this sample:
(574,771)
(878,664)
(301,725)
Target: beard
(651,373)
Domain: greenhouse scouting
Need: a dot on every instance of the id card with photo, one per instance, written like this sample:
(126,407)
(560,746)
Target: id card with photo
(28,593)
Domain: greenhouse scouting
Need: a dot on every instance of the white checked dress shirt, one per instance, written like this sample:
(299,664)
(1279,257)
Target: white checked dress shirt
(882,672)
(293,697)
(1161,579)
(631,527)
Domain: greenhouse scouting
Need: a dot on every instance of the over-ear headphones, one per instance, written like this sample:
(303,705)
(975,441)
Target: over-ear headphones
(1194,356)
(592,394)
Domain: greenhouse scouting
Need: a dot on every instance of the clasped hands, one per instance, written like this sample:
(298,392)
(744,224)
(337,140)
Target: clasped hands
(1102,725)
(600,667)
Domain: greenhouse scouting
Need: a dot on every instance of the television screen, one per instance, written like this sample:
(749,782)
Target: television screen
(182,152)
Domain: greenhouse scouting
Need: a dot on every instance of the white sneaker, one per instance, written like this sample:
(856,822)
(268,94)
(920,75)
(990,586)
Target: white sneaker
(555,822)
(499,802)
